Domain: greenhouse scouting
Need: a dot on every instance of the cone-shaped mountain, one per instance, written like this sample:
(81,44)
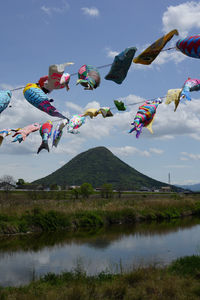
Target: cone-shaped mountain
(98,166)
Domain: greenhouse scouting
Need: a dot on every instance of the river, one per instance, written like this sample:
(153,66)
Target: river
(26,257)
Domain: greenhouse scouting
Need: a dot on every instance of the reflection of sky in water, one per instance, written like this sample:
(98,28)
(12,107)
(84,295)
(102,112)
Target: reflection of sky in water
(129,250)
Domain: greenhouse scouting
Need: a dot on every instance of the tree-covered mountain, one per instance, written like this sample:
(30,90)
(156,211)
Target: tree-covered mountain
(98,166)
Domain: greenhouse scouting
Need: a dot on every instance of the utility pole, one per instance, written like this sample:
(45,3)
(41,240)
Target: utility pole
(169,180)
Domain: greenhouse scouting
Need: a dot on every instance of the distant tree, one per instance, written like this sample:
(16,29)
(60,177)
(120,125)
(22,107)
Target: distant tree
(20,181)
(54,187)
(119,190)
(8,182)
(86,190)
(107,190)
(75,193)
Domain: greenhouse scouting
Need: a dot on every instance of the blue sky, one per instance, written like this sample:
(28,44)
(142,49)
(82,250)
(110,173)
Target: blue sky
(38,33)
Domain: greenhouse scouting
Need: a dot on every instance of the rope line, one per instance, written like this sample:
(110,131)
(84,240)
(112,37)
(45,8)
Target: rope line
(19,88)
(168,49)
(99,67)
(73,74)
(114,107)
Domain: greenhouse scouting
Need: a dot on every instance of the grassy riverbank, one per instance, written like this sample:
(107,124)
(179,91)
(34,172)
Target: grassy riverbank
(178,281)
(28,215)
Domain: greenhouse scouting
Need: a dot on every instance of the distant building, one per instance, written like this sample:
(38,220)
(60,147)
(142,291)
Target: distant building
(32,187)
(145,189)
(72,187)
(98,189)
(156,190)
(166,189)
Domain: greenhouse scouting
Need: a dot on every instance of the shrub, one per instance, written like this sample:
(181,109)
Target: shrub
(89,219)
(86,190)
(188,265)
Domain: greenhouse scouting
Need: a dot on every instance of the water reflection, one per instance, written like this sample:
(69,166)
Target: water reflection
(25,257)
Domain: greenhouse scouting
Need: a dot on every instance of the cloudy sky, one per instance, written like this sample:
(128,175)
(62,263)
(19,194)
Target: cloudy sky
(46,32)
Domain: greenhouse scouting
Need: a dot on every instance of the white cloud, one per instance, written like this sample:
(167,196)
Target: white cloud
(93,11)
(195,136)
(185,121)
(128,150)
(133,100)
(156,151)
(167,56)
(74,106)
(184,158)
(93,104)
(166,137)
(46,9)
(111,53)
(96,128)
(183,17)
(69,144)
(190,156)
(58,9)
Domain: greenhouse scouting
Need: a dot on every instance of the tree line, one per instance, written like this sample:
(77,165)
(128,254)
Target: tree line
(85,190)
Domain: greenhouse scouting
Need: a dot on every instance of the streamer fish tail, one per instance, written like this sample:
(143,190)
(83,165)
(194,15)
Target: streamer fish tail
(44,145)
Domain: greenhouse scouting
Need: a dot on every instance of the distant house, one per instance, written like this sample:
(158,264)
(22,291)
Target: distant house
(144,189)
(46,188)
(166,189)
(72,187)
(31,187)
(98,189)
(156,190)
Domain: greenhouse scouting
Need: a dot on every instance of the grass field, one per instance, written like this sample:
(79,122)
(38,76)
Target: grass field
(178,281)
(49,211)
(25,212)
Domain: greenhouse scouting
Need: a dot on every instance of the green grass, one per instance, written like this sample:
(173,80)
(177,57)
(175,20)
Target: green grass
(88,219)
(174,282)
(21,214)
(188,265)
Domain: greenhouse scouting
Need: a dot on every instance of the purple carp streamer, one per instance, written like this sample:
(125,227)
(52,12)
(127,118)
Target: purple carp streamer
(58,132)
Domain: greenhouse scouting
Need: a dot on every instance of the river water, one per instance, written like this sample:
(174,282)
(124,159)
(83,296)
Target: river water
(27,257)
